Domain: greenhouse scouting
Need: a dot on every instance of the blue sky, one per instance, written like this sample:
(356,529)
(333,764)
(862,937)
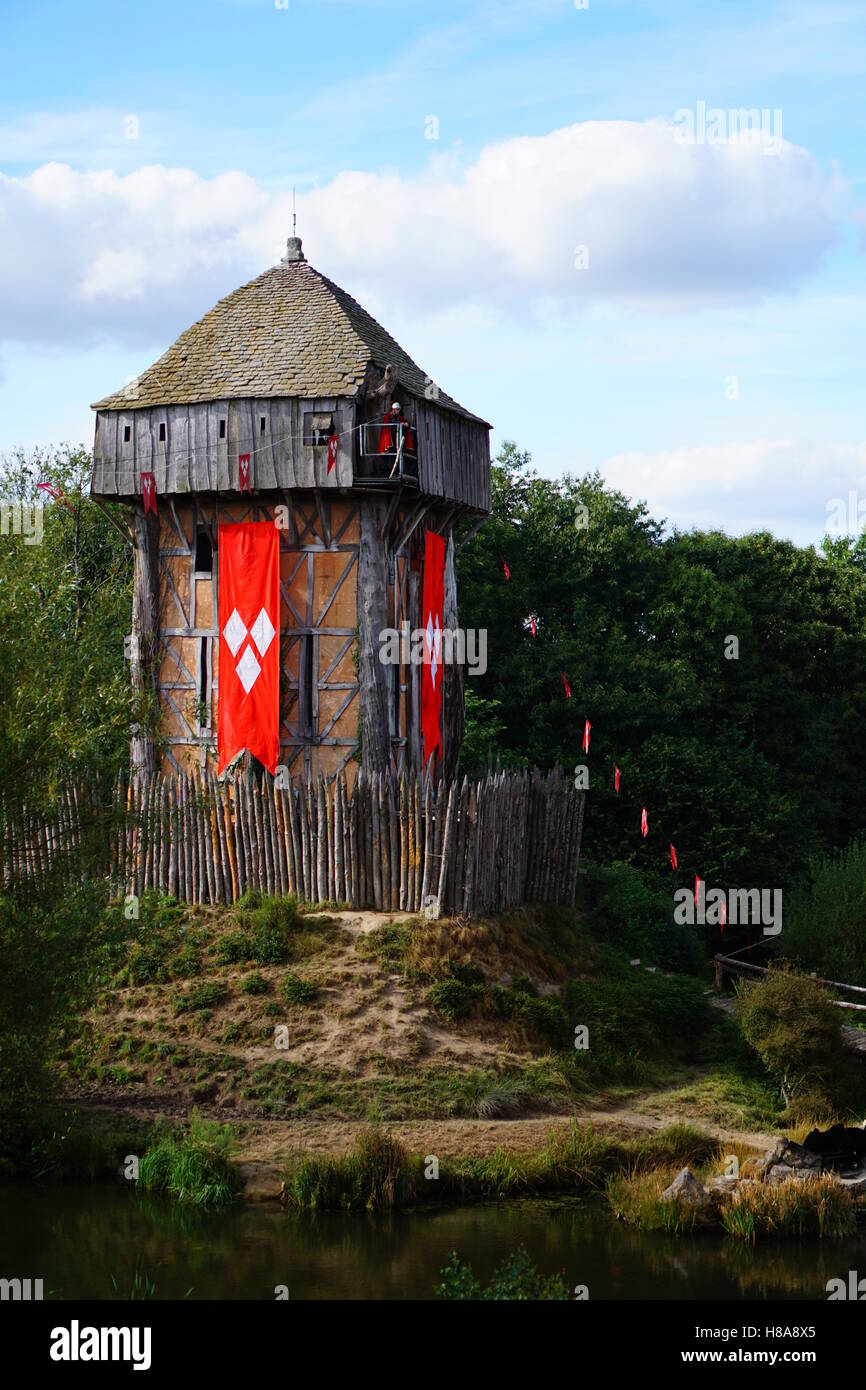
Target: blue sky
(709,356)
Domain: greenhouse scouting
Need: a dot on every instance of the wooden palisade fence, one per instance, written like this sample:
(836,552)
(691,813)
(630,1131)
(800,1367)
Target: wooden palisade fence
(390,844)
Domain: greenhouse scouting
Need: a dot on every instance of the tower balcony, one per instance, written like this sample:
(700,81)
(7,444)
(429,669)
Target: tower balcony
(387,454)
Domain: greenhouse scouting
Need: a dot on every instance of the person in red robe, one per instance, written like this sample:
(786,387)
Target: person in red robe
(388,434)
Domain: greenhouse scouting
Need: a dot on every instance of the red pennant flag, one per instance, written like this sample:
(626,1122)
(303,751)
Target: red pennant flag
(644,823)
(567,687)
(148,492)
(616,776)
(58,495)
(244,472)
(333,445)
(431,670)
(698,883)
(723,919)
(504,566)
(586,728)
(249,650)
(673,858)
(532,625)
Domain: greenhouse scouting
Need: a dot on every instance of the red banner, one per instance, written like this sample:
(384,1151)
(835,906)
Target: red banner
(432,617)
(333,446)
(243,472)
(148,491)
(249,656)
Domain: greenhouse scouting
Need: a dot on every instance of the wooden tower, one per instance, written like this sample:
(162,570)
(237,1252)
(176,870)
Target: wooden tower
(276,400)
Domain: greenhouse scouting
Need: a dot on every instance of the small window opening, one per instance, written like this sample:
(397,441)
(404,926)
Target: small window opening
(306,692)
(127,433)
(222,429)
(162,433)
(203,551)
(318,429)
(264,424)
(202,670)
(203,715)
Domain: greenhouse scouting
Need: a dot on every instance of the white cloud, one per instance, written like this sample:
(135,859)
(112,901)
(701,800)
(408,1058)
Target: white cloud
(667,226)
(792,488)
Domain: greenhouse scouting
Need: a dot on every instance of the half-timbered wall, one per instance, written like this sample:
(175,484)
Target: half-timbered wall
(318,600)
(323,636)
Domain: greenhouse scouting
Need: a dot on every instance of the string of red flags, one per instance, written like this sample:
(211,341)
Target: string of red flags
(530,620)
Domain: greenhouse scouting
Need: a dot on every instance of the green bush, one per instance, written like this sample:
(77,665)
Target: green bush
(793,1026)
(264,933)
(254,984)
(454,998)
(204,996)
(234,948)
(296,990)
(389,944)
(515,1277)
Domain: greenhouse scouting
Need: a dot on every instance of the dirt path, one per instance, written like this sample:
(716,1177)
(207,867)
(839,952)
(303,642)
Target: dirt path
(264,1146)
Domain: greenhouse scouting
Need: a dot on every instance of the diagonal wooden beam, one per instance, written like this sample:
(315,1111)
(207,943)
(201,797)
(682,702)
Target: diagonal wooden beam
(473,531)
(323,507)
(353,559)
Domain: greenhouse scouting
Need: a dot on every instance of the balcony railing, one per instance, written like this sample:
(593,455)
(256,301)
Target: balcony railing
(396,464)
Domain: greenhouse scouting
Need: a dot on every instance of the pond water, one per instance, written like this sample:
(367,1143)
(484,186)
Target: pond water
(78,1237)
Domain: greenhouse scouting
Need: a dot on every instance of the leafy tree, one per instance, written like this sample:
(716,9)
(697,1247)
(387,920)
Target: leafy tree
(748,754)
(825,929)
(65,606)
(54,950)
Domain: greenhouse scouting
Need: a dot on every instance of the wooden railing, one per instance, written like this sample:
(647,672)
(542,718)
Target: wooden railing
(729,965)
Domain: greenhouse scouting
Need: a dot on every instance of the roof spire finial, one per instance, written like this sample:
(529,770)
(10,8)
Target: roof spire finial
(293,245)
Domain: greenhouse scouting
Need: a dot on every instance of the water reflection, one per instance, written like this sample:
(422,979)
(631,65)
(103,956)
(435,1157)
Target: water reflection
(77,1237)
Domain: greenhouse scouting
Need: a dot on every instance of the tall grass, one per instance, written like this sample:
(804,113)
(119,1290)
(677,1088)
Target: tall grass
(379,1173)
(376,1174)
(814,1206)
(192,1165)
(637,1200)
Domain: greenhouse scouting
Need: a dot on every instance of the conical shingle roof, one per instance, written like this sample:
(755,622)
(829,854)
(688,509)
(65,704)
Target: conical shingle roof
(289,332)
